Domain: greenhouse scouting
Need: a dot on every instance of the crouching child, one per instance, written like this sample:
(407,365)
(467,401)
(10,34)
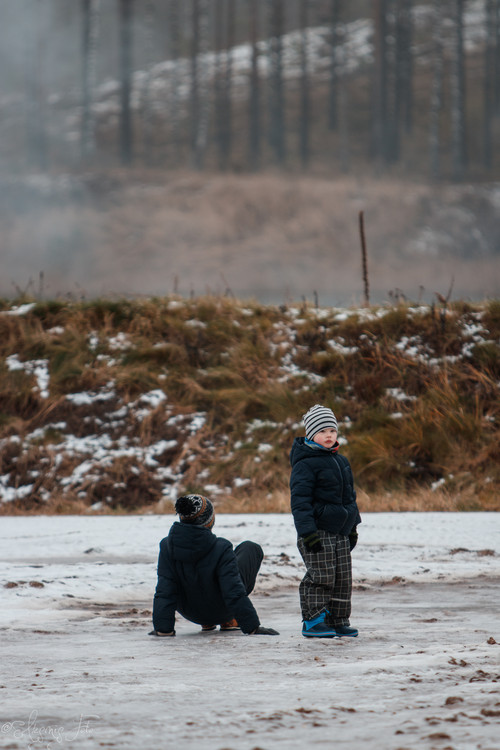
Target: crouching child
(202,577)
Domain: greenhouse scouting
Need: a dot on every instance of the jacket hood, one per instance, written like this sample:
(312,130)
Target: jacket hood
(190,543)
(301,450)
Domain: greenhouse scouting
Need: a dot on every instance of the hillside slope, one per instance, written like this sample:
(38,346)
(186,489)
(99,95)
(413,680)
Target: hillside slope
(122,405)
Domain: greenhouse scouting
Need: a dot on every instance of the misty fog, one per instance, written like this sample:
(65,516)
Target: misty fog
(220,170)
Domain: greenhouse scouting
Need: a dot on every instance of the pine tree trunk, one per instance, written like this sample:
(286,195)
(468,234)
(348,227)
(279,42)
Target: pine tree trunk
(381,87)
(146,100)
(458,136)
(436,104)
(91,10)
(406,62)
(126,146)
(343,103)
(254,99)
(199,76)
(496,84)
(394,60)
(276,86)
(228,85)
(174,39)
(400,73)
(304,83)
(35,102)
(218,80)
(335,14)
(195,85)
(489,83)
(224,19)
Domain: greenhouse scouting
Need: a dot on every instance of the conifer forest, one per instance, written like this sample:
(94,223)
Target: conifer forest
(400,86)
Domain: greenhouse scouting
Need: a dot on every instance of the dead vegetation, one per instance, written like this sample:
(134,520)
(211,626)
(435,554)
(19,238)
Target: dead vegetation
(120,405)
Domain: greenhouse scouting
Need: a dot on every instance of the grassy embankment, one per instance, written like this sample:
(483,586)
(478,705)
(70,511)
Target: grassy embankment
(207,394)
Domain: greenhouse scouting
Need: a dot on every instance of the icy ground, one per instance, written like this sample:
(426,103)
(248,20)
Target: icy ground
(78,669)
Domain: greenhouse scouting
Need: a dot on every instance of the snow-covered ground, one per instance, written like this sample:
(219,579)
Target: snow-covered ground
(79,670)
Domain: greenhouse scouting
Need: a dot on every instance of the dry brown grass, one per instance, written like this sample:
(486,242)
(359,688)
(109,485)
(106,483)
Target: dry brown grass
(423,499)
(420,499)
(224,359)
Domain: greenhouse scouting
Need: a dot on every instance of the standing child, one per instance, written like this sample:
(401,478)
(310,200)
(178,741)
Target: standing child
(325,514)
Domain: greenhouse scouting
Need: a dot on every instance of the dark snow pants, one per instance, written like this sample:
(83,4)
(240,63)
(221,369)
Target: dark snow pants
(327,584)
(249,556)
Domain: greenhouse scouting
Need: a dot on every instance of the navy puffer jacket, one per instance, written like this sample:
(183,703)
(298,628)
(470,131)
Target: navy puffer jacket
(198,576)
(322,490)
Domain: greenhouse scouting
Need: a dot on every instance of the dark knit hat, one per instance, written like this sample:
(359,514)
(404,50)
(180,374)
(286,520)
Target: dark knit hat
(318,418)
(196,510)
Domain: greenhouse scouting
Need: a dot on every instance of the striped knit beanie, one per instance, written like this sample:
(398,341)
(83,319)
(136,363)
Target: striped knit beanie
(318,418)
(196,510)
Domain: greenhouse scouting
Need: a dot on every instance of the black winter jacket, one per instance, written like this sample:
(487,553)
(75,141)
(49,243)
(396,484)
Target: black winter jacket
(322,490)
(198,576)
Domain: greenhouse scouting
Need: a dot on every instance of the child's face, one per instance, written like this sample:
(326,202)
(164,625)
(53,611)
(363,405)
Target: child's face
(326,438)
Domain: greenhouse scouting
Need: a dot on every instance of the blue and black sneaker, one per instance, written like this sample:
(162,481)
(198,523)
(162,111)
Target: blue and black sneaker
(345,630)
(317,628)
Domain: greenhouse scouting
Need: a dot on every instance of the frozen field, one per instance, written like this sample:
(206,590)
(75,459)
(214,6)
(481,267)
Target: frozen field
(78,669)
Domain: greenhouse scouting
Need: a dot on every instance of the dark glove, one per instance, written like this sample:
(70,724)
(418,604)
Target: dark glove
(162,635)
(264,631)
(353,538)
(313,542)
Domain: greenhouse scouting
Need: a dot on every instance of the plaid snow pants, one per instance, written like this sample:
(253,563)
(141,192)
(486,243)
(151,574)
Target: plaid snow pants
(327,584)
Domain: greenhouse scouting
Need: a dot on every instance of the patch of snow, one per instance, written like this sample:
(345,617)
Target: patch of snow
(37,367)
(8,494)
(264,448)
(193,323)
(20,309)
(214,489)
(13,363)
(258,424)
(291,370)
(175,304)
(399,395)
(90,397)
(437,484)
(120,342)
(93,340)
(239,482)
(341,348)
(153,399)
(418,310)
(474,330)
(197,422)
